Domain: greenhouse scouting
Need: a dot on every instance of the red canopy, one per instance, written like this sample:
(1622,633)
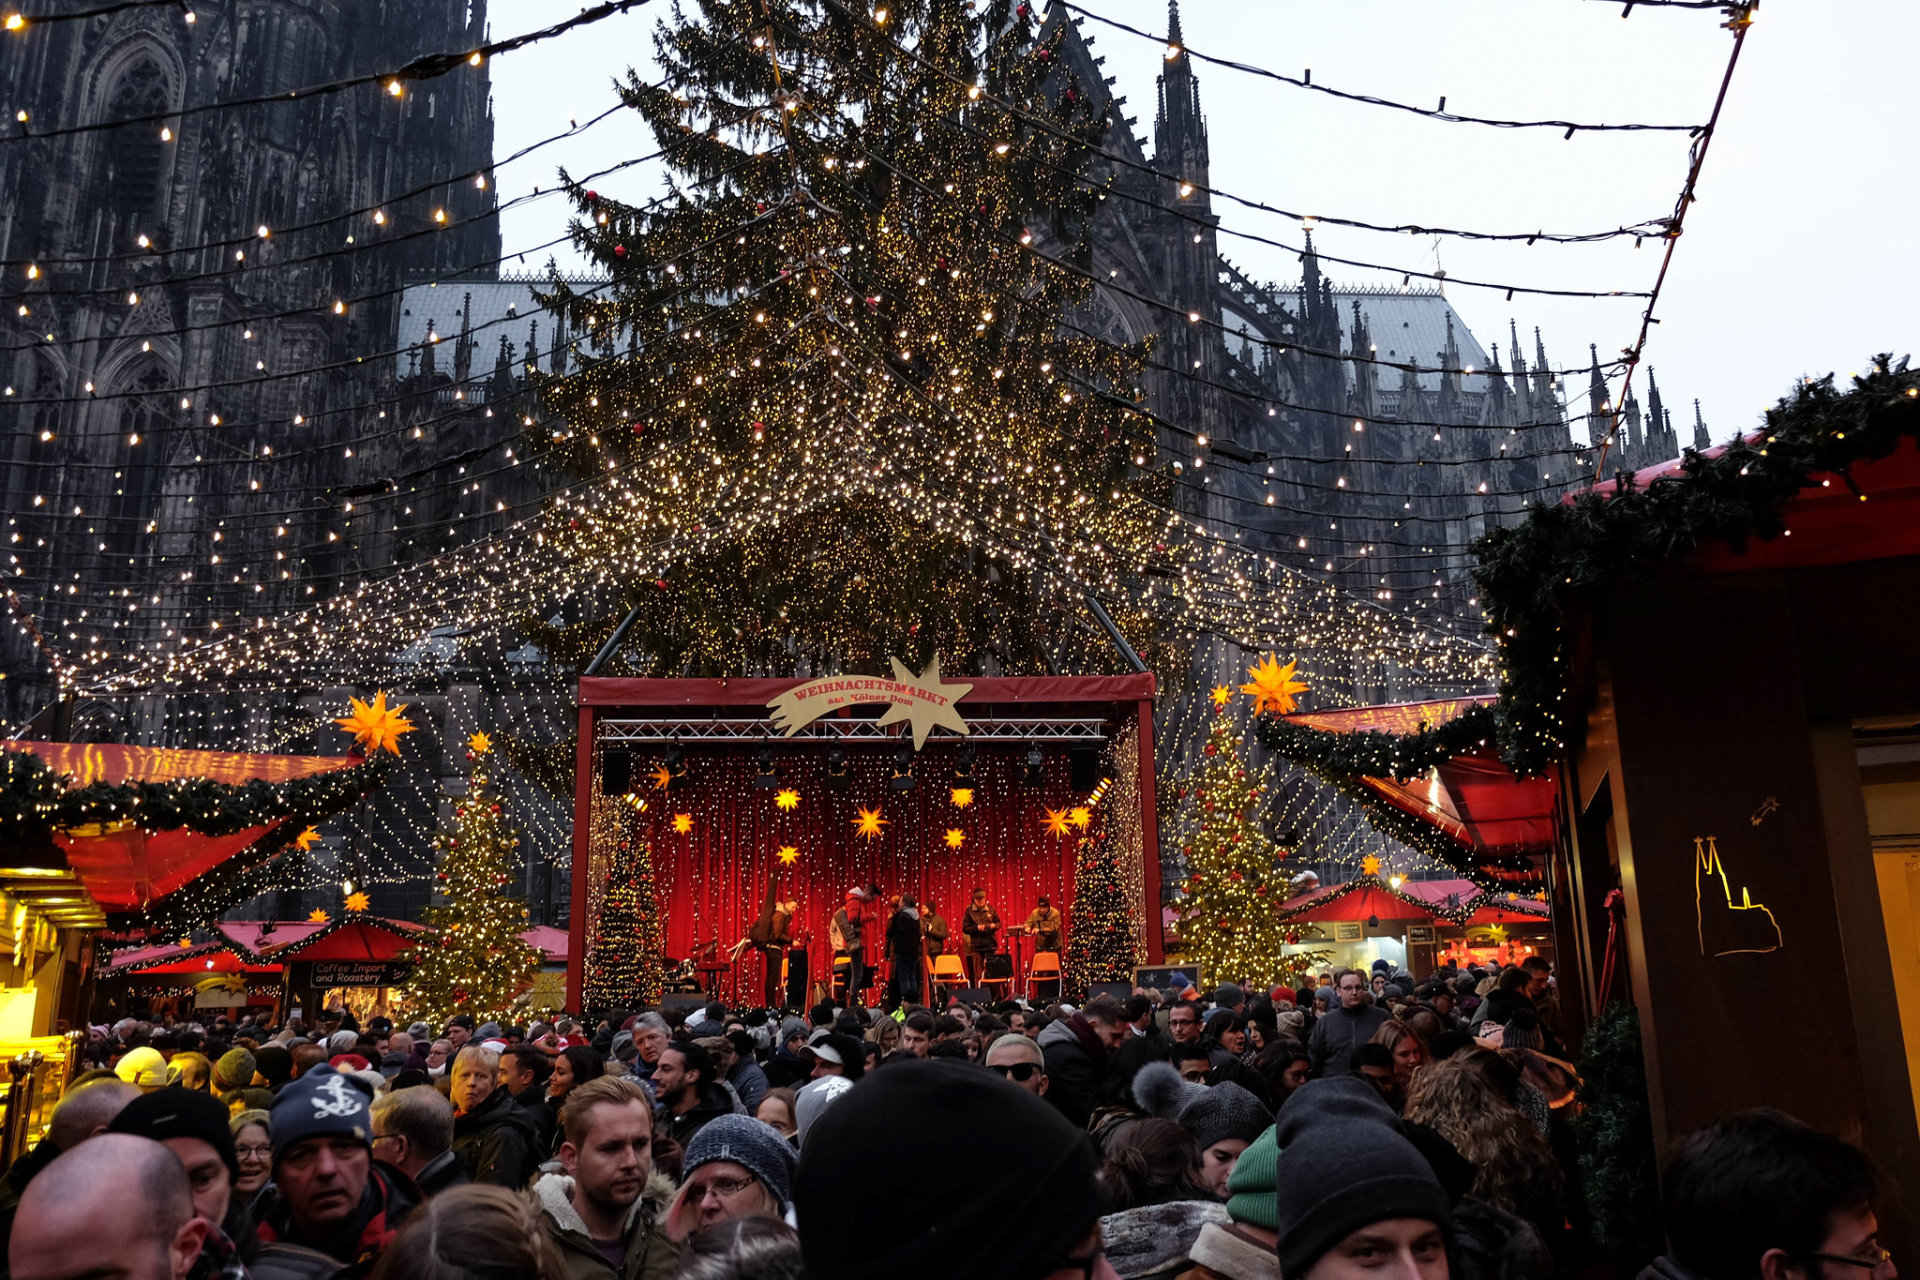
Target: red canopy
(551,942)
(1473,798)
(125,866)
(1459,901)
(353,937)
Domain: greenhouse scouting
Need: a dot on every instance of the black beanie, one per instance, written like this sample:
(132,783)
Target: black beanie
(174,1112)
(883,1191)
(1344,1165)
(274,1063)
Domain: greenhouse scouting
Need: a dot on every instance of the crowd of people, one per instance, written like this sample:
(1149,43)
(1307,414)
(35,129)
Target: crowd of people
(1360,1127)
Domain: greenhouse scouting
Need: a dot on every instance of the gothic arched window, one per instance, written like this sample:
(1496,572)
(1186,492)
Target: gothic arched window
(145,420)
(136,157)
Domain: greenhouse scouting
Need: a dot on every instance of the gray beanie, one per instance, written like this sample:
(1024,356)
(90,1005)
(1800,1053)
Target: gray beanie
(1346,1165)
(343,1042)
(1211,1115)
(753,1146)
(1227,995)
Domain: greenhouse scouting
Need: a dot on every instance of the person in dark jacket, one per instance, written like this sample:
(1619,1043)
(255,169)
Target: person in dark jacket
(524,1069)
(329,1194)
(1076,1050)
(413,1131)
(686,1084)
(744,1072)
(495,1140)
(906,949)
(786,1069)
(1344,1029)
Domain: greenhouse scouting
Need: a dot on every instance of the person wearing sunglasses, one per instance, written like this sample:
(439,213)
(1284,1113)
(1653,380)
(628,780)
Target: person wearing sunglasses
(1019,1060)
(1761,1196)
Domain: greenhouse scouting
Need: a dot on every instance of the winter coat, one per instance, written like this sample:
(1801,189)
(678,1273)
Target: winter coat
(291,1262)
(389,1197)
(1492,1244)
(1234,1251)
(715,1100)
(1076,1061)
(1337,1035)
(650,1255)
(933,928)
(1155,1241)
(785,1071)
(749,1083)
(533,1101)
(442,1173)
(498,1142)
(982,927)
(903,934)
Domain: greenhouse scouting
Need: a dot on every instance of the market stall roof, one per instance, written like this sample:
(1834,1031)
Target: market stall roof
(117,864)
(1472,798)
(551,942)
(1458,901)
(351,937)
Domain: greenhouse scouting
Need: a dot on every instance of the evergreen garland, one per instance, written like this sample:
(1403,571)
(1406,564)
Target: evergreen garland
(1619,1201)
(626,969)
(1102,943)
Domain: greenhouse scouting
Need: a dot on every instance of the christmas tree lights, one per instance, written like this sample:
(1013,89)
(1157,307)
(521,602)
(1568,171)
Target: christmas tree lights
(1103,937)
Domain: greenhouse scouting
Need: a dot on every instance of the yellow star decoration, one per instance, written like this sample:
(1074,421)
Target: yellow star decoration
(1056,822)
(955,837)
(1081,816)
(480,743)
(788,855)
(1273,686)
(925,716)
(357,901)
(868,824)
(962,797)
(307,839)
(1221,694)
(661,777)
(787,798)
(1370,865)
(683,822)
(376,727)
(318,916)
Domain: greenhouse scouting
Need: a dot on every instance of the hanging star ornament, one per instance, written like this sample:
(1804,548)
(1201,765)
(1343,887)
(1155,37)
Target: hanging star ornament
(788,855)
(955,837)
(376,727)
(358,901)
(1221,695)
(661,777)
(1273,686)
(962,797)
(318,916)
(307,839)
(1056,822)
(787,799)
(480,744)
(868,824)
(1370,866)
(1081,816)
(683,822)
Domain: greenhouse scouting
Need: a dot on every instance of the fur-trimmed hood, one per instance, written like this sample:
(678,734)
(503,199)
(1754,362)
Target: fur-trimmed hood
(554,1194)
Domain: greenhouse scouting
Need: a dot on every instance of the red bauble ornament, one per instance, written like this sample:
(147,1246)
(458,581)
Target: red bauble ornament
(1045,55)
(1212,750)
(661,583)
(1235,876)
(1209,806)
(593,197)
(619,251)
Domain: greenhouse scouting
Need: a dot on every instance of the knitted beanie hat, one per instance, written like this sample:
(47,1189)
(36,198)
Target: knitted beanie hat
(750,1144)
(1347,1166)
(1211,1115)
(180,1113)
(1250,1196)
(323,1102)
(1522,1030)
(234,1070)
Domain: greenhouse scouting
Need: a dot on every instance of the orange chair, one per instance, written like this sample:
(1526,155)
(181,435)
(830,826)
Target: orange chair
(948,973)
(1045,968)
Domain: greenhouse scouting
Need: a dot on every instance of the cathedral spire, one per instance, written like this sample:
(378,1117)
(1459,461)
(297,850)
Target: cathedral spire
(1173,25)
(1701,440)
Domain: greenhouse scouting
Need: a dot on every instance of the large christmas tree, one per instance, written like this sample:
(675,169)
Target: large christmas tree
(625,968)
(1237,878)
(833,377)
(474,962)
(1103,939)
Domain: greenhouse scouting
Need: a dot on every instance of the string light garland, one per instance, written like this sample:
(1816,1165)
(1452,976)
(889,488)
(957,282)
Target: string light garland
(1456,913)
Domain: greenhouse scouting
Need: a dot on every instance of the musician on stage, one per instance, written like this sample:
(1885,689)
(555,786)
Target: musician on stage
(1046,927)
(933,928)
(982,929)
(904,949)
(771,935)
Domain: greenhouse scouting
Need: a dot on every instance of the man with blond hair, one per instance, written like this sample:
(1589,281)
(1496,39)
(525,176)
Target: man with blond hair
(1020,1061)
(605,1214)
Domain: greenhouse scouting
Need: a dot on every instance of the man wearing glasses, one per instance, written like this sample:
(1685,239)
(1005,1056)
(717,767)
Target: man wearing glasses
(1019,1060)
(1183,1022)
(1346,1028)
(1761,1196)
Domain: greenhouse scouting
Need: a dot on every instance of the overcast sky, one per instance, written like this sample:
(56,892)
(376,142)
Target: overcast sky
(1797,259)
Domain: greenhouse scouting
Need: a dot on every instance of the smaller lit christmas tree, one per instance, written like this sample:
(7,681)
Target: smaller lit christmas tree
(1228,901)
(474,961)
(1103,940)
(625,970)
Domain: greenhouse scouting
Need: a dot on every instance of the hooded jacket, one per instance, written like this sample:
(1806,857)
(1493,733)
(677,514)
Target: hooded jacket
(497,1142)
(1075,1061)
(650,1255)
(1337,1034)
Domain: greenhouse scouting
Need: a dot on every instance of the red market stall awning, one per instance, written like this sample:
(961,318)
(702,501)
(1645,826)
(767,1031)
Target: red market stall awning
(551,942)
(351,937)
(1473,798)
(124,865)
(218,960)
(1368,897)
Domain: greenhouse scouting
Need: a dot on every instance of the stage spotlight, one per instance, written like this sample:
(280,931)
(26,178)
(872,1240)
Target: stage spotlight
(616,773)
(766,777)
(675,760)
(902,770)
(836,779)
(1036,772)
(963,766)
(1084,764)
(1373,922)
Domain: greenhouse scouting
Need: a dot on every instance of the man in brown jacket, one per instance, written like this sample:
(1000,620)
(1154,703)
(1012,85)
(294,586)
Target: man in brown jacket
(604,1215)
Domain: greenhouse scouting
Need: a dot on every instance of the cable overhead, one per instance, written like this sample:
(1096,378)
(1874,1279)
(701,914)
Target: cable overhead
(428,66)
(1439,113)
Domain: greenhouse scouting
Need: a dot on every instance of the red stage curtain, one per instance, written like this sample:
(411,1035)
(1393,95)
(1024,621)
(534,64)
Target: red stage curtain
(712,881)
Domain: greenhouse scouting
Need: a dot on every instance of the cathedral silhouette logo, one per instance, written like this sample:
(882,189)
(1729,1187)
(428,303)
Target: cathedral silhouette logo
(1708,869)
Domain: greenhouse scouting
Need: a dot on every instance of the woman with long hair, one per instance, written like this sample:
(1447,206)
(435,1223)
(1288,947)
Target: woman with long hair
(885,1032)
(1409,1051)
(472,1233)
(1514,1168)
(572,1066)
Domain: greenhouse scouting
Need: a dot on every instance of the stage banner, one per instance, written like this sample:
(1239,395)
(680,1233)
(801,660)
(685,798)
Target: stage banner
(922,701)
